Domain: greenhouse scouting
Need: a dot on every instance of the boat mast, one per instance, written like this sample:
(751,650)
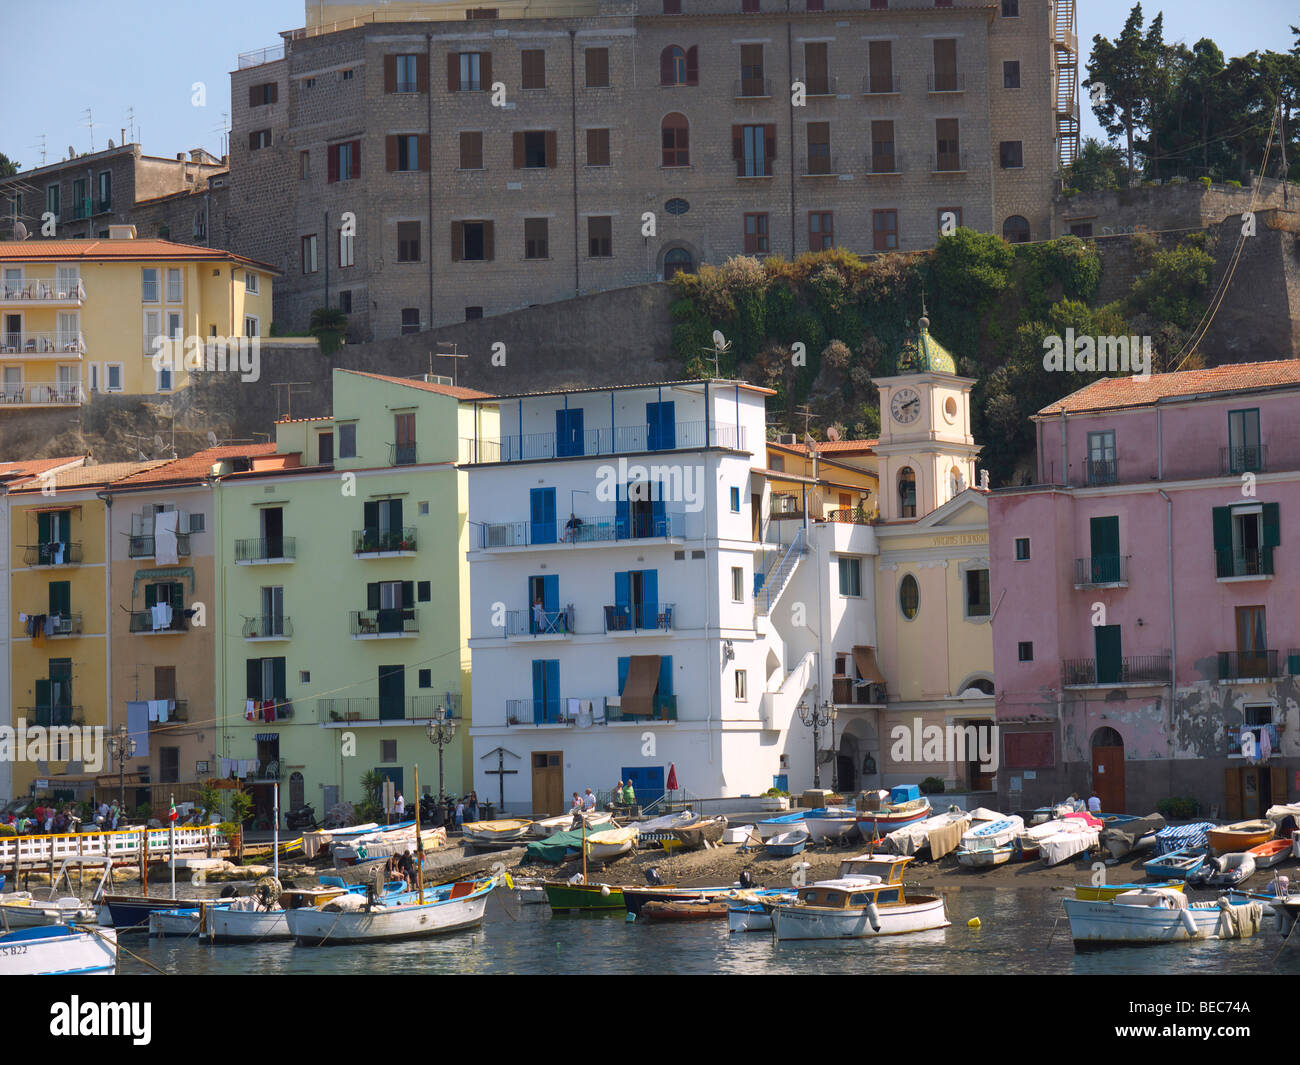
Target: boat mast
(582,814)
(419,843)
(275,803)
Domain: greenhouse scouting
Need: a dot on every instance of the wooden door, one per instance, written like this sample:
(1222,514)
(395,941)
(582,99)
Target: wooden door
(1108,778)
(1232,794)
(548,783)
(1277,785)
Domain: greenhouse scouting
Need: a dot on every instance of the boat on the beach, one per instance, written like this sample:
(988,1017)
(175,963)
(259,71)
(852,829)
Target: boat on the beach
(571,898)
(494,831)
(696,835)
(1190,837)
(1223,871)
(1160,916)
(984,859)
(993,835)
(548,826)
(351,919)
(1241,836)
(1073,835)
(1175,864)
(1130,836)
(940,834)
(785,844)
(774,826)
(1106,892)
(611,844)
(1269,854)
(829,823)
(906,805)
(58,950)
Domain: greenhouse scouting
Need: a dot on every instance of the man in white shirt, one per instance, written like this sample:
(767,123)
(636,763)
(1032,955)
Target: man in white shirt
(399,805)
(1094,804)
(589,801)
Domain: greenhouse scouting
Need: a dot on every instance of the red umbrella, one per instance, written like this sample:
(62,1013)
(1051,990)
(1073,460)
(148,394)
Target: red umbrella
(672,777)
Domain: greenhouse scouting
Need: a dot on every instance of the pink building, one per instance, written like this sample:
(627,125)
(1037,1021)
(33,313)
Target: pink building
(1147,595)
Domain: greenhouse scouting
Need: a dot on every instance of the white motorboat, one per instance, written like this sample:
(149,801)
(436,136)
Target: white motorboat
(494,831)
(830,823)
(992,835)
(548,826)
(855,908)
(941,833)
(58,950)
(1160,915)
(350,919)
(984,859)
(611,844)
(21,910)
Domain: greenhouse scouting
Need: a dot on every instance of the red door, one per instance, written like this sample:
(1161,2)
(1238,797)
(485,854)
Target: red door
(1108,777)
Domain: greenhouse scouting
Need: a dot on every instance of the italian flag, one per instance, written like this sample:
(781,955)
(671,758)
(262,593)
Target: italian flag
(171,815)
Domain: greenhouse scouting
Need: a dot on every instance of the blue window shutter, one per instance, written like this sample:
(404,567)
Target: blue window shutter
(539,691)
(659,521)
(621,512)
(552,689)
(542,510)
(551,592)
(667,425)
(649,598)
(622,673)
(666,675)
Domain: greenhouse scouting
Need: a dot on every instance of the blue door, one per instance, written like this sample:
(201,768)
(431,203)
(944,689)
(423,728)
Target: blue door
(658,516)
(543,515)
(647,782)
(648,607)
(620,617)
(546,691)
(568,433)
(622,513)
(661,426)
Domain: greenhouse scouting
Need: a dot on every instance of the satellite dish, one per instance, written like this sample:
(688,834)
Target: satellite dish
(20,231)
(719,341)
(212,439)
(832,433)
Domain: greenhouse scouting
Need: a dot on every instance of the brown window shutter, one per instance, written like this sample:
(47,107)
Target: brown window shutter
(769,143)
(519,150)
(356,158)
(390,73)
(275,92)
(390,151)
(485,71)
(488,241)
(693,65)
(421,73)
(252,143)
(252,96)
(424,151)
(453,72)
(551,150)
(457,240)
(332,152)
(738,149)
(666,66)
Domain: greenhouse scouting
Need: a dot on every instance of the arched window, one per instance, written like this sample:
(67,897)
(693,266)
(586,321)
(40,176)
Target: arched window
(676,140)
(1107,737)
(1015,230)
(679,66)
(678,261)
(909,596)
(297,791)
(906,493)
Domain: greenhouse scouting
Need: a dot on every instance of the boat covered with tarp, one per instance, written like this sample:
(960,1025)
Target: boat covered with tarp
(1125,837)
(941,833)
(1195,836)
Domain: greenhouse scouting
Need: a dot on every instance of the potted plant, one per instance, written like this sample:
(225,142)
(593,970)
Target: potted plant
(774,799)
(932,786)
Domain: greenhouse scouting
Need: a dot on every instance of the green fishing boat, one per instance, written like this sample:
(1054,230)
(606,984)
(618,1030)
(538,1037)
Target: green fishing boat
(585,898)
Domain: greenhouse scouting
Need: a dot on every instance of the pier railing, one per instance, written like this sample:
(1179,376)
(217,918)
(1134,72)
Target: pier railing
(124,844)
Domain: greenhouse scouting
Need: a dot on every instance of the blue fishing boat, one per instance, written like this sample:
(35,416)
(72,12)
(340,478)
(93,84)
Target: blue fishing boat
(774,826)
(1195,836)
(58,949)
(785,844)
(1175,865)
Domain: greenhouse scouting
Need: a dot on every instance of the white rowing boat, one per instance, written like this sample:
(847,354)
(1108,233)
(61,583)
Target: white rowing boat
(349,919)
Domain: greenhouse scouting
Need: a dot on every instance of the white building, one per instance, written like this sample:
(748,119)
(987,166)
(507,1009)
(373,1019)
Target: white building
(615,630)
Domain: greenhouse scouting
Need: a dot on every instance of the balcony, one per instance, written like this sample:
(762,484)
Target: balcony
(66,625)
(57,553)
(1142,669)
(268,711)
(559,712)
(604,529)
(882,85)
(384,542)
(1248,665)
(1254,562)
(820,166)
(640,617)
(179,711)
(397,623)
(1101,571)
(46,291)
(753,88)
(1100,471)
(949,163)
(275,550)
(1252,458)
(849,516)
(270,627)
(820,85)
(53,715)
(413,709)
(401,454)
(43,395)
(622,440)
(665,709)
(30,345)
(143,546)
(884,163)
(950,81)
(547,623)
(849,692)
(144,621)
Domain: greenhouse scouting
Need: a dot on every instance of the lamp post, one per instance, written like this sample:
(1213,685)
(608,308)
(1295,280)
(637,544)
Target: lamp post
(816,718)
(121,747)
(441,730)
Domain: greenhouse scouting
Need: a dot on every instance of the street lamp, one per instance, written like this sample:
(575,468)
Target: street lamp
(121,747)
(816,718)
(440,730)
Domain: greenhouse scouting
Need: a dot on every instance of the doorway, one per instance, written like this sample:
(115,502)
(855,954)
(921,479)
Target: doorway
(1108,769)
(548,783)
(1249,791)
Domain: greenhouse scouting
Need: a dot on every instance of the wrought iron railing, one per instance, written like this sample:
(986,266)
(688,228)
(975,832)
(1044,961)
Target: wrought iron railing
(1256,665)
(1254,562)
(1251,458)
(144,621)
(533,622)
(375,541)
(57,553)
(395,622)
(268,627)
(265,549)
(626,439)
(1139,669)
(1101,569)
(1100,471)
(144,546)
(629,617)
(415,708)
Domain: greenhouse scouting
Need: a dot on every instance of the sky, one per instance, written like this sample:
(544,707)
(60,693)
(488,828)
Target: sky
(147,57)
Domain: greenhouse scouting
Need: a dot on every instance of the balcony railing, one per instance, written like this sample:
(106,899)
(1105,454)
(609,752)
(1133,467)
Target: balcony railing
(636,617)
(180,711)
(953,81)
(558,711)
(606,528)
(881,84)
(395,622)
(1257,665)
(411,708)
(820,85)
(53,715)
(27,343)
(884,163)
(270,627)
(57,553)
(42,290)
(665,709)
(753,88)
(143,546)
(820,166)
(1253,458)
(849,516)
(1142,669)
(1100,471)
(1255,562)
(1101,569)
(277,549)
(143,621)
(379,541)
(67,625)
(43,395)
(625,439)
(949,162)
(539,623)
(401,454)
(849,692)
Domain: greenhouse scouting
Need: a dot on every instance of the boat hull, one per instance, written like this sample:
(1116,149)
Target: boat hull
(1177,864)
(1109,922)
(793,922)
(58,950)
(132,911)
(567,898)
(1269,854)
(43,915)
(247,926)
(1106,892)
(751,918)
(312,927)
(1230,841)
(821,828)
(697,910)
(882,822)
(986,858)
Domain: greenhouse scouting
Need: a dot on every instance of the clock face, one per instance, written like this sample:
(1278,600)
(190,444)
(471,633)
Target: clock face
(905,406)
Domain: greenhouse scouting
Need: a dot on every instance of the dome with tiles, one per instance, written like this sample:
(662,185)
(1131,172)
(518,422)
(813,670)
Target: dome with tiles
(923,354)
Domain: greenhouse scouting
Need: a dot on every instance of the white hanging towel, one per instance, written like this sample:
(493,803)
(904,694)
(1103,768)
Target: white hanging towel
(164,538)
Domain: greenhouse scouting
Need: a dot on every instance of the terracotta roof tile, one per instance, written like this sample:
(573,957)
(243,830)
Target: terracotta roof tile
(193,467)
(97,476)
(34,467)
(125,250)
(455,391)
(1118,393)
(826,447)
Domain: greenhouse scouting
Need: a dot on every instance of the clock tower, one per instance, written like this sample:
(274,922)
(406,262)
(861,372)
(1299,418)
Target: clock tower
(926,451)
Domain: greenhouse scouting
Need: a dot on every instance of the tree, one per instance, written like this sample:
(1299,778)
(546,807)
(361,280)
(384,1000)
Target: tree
(1122,75)
(1099,167)
(8,168)
(329,325)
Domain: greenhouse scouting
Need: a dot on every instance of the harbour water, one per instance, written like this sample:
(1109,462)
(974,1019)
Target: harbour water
(1013,939)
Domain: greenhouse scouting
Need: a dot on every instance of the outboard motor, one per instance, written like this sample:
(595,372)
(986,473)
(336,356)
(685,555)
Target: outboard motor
(230,892)
(652,877)
(746,881)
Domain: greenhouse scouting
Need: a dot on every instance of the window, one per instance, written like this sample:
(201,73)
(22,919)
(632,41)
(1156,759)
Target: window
(977,593)
(676,140)
(309,264)
(816,61)
(884,230)
(424,591)
(909,596)
(471,313)
(402,73)
(947,145)
(469,71)
(534,149)
(735,500)
(880,67)
(388,751)
(850,576)
(1015,230)
(756,242)
(347,249)
(1011,155)
(324,448)
(259,139)
(1022,548)
(1011,74)
(345,301)
(536,244)
(408,242)
(679,66)
(533,64)
(882,148)
(600,237)
(348,441)
(1025,650)
(1010,8)
(250,326)
(597,60)
(308,83)
(113,377)
(251,282)
(345,161)
(105,191)
(754,149)
(1245,452)
(1082,230)
(1100,465)
(346,75)
(261,95)
(471,150)
(677,261)
(175,289)
(737,584)
(410,320)
(472,241)
(944,78)
(1244,539)
(752,81)
(819,148)
(149,284)
(741,686)
(949,219)
(426,678)
(152,330)
(407,151)
(906,492)
(672,7)
(821,231)
(598,147)
(748,6)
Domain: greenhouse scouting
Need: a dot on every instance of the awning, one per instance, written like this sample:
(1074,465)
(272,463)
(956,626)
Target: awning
(639,688)
(865,659)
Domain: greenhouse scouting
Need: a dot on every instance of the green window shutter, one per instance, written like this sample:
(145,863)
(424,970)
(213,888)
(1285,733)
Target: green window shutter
(150,596)
(372,596)
(43,527)
(42,691)
(253,678)
(370,513)
(408,593)
(277,678)
(1272,526)
(1222,517)
(60,597)
(178,597)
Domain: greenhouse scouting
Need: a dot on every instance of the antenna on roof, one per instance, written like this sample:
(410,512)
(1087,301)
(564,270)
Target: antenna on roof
(721,345)
(445,349)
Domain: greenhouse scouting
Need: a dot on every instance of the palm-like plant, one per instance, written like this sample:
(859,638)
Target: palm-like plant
(328,325)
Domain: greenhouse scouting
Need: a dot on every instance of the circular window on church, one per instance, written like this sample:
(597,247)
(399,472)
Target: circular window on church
(909,596)
(950,409)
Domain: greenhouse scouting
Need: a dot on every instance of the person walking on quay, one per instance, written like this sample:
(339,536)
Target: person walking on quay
(589,801)
(471,807)
(460,814)
(399,805)
(629,795)
(616,796)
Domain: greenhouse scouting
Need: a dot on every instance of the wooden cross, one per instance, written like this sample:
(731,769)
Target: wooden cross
(500,772)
